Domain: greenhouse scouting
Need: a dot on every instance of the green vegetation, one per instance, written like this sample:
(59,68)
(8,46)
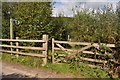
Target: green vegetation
(63,67)
(35,20)
(83,70)
(25,60)
(94,27)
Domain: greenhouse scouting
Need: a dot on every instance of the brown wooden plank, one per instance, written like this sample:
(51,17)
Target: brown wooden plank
(23,47)
(85,43)
(62,55)
(45,46)
(28,54)
(86,52)
(72,50)
(53,50)
(66,42)
(62,48)
(89,52)
(82,49)
(14,40)
(93,60)
(17,44)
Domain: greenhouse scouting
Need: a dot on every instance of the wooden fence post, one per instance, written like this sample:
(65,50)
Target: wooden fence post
(53,50)
(17,44)
(45,46)
(11,48)
(11,32)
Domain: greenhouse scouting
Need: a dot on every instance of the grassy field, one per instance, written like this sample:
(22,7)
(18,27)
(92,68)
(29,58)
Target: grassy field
(83,69)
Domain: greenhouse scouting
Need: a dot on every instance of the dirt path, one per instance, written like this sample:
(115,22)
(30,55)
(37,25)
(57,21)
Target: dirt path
(13,70)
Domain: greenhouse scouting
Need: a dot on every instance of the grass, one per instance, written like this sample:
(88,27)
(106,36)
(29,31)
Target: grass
(25,60)
(92,72)
(58,67)
(83,69)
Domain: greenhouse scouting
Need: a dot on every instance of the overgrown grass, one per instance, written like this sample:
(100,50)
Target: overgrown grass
(25,60)
(83,69)
(90,72)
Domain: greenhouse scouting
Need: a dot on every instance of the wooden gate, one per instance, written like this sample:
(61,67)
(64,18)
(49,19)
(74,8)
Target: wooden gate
(56,45)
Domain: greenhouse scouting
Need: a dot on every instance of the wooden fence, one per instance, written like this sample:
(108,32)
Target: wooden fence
(44,47)
(57,43)
(82,50)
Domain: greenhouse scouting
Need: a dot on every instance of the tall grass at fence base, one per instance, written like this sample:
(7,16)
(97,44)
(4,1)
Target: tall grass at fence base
(83,69)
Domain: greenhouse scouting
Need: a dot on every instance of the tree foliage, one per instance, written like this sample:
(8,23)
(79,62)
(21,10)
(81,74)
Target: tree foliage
(35,20)
(94,27)
(5,20)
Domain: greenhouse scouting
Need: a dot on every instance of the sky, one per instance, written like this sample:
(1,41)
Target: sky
(65,6)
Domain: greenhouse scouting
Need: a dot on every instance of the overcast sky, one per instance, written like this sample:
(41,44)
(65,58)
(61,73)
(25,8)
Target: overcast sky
(65,6)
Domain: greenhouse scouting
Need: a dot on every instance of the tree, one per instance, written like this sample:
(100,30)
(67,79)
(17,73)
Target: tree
(34,19)
(5,19)
(94,27)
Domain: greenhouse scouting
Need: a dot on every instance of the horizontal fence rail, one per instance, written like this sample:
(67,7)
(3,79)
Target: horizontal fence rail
(85,43)
(22,47)
(14,40)
(44,48)
(28,54)
(73,50)
(76,51)
(58,47)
